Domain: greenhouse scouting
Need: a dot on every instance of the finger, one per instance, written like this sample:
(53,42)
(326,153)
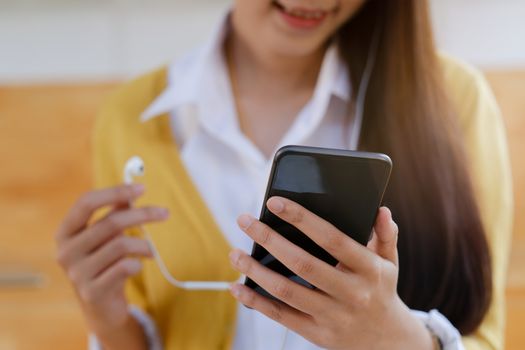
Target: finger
(289,317)
(114,250)
(116,274)
(117,222)
(291,293)
(346,250)
(315,271)
(110,280)
(121,206)
(107,228)
(83,209)
(384,242)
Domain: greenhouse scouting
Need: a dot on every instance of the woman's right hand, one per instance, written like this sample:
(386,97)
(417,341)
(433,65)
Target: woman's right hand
(98,258)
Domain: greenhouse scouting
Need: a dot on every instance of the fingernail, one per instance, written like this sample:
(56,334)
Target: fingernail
(275,205)
(135,266)
(137,189)
(235,290)
(234,256)
(394,226)
(150,250)
(244,221)
(389,213)
(163,213)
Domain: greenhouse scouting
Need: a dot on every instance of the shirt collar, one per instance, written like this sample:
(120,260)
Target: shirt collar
(189,74)
(190,86)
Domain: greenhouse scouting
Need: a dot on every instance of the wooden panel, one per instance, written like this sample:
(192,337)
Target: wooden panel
(45,157)
(516,294)
(509,88)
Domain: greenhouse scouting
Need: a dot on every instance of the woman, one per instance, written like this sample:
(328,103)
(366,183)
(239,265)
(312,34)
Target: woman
(289,72)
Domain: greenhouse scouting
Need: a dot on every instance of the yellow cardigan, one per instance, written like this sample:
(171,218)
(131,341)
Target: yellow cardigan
(194,248)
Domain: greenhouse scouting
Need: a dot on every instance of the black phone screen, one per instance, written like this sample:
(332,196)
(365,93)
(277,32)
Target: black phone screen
(343,187)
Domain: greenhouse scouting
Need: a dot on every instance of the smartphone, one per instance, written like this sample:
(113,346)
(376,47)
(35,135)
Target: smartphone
(343,187)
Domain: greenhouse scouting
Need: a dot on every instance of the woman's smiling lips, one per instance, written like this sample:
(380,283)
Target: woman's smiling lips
(301,18)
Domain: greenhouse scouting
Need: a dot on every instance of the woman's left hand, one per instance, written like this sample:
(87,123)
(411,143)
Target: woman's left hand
(355,305)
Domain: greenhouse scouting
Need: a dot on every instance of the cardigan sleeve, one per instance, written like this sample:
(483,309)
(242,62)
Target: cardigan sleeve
(488,160)
(147,324)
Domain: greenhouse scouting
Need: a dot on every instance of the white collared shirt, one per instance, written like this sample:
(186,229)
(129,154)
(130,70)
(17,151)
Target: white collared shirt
(227,168)
(229,171)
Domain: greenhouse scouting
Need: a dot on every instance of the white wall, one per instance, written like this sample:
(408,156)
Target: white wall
(98,40)
(488,33)
(57,40)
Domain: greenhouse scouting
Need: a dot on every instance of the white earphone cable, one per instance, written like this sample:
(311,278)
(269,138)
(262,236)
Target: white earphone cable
(135,167)
(191,285)
(362,91)
(285,338)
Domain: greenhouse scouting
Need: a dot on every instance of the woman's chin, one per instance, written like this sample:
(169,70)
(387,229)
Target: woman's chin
(295,47)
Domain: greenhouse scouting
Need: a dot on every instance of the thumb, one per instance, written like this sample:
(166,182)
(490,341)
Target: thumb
(384,241)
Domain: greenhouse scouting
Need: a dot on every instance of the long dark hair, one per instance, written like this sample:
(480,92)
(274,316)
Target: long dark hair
(444,256)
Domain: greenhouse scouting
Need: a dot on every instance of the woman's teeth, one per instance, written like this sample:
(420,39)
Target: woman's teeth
(301,13)
(305,14)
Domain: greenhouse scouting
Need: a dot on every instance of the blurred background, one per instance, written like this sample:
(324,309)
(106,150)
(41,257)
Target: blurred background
(60,58)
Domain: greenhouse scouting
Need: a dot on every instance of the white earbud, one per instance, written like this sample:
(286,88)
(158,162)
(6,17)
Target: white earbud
(135,167)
